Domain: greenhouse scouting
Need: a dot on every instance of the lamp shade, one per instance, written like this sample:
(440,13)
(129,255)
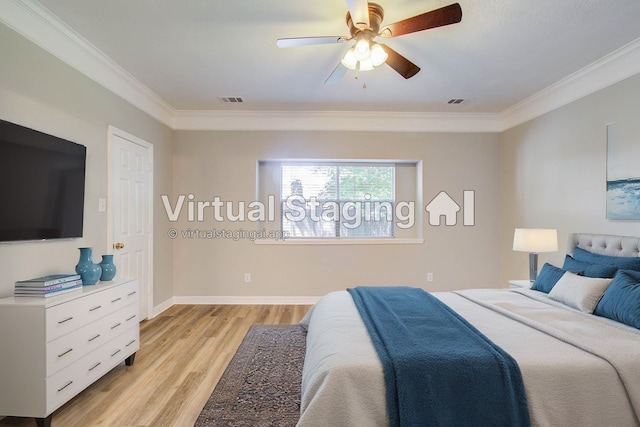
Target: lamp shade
(535,240)
(378,55)
(350,60)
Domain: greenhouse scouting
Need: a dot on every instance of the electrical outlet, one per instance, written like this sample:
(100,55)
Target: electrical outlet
(247,277)
(429,277)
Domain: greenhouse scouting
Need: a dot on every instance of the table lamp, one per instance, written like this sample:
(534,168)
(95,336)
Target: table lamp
(534,241)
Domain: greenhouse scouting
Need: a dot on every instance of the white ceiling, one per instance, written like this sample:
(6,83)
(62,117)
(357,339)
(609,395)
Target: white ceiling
(191,52)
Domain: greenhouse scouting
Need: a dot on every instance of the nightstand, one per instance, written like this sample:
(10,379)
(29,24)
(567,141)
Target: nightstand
(520,284)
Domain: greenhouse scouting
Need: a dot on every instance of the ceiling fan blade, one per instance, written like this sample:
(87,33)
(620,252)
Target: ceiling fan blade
(336,74)
(359,11)
(399,63)
(447,15)
(308,41)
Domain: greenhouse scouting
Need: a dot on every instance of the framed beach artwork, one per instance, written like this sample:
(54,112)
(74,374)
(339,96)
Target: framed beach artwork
(623,174)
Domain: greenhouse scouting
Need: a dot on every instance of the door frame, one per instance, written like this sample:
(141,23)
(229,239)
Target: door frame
(112,132)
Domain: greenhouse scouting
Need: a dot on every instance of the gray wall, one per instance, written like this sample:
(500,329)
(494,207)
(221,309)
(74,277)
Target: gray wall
(553,172)
(39,91)
(223,164)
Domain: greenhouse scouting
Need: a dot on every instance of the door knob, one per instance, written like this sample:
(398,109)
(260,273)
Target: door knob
(119,245)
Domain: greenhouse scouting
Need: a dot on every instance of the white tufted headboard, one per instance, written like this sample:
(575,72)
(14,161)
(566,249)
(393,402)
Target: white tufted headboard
(605,244)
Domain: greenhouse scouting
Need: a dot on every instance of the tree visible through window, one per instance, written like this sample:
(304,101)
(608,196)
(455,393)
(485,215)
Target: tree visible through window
(337,200)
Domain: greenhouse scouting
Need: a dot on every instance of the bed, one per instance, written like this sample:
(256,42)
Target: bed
(577,368)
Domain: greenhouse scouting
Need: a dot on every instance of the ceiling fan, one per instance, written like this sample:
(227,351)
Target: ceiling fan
(363,20)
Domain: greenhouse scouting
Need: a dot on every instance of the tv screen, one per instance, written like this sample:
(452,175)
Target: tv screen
(41,185)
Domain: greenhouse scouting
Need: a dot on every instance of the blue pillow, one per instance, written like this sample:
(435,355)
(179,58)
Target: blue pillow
(589,270)
(628,263)
(547,278)
(621,300)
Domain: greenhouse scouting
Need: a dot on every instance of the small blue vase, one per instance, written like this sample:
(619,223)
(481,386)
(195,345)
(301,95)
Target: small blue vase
(87,269)
(108,268)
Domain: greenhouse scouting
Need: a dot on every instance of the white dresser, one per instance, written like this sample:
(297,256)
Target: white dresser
(53,348)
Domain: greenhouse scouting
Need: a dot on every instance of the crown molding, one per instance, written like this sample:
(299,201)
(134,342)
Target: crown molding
(337,121)
(30,19)
(33,21)
(608,70)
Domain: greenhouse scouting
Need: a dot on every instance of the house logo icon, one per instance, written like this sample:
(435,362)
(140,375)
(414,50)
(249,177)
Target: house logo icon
(445,206)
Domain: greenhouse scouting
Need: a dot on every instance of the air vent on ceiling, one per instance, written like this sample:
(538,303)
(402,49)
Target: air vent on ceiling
(231,99)
(457,101)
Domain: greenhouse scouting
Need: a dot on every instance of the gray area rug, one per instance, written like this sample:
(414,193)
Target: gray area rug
(261,385)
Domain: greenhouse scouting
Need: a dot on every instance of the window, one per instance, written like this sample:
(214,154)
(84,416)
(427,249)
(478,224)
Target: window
(355,201)
(337,200)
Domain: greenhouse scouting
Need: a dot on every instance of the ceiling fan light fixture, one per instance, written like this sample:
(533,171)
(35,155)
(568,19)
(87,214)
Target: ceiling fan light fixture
(365,65)
(350,60)
(364,56)
(362,50)
(378,55)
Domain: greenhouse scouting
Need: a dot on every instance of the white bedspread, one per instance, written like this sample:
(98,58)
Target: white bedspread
(578,369)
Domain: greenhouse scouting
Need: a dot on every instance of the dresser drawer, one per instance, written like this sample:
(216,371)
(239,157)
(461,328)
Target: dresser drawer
(121,296)
(71,347)
(69,316)
(73,379)
(72,314)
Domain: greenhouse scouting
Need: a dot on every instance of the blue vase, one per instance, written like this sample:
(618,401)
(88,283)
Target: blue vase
(108,268)
(87,269)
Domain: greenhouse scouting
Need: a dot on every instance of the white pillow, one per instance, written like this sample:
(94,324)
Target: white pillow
(582,293)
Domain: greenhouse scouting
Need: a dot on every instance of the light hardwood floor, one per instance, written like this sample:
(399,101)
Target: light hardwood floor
(183,353)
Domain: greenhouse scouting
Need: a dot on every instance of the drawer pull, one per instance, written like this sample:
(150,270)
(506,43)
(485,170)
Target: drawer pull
(65,386)
(95,366)
(116,300)
(97,336)
(130,342)
(65,320)
(116,325)
(95,308)
(65,352)
(116,352)
(132,293)
(132,317)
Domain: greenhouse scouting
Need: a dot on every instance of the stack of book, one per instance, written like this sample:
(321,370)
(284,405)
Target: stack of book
(48,286)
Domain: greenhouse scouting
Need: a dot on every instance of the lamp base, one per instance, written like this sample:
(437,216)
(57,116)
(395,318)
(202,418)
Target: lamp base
(533,266)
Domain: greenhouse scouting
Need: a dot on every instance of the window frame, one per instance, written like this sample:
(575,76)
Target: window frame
(407,235)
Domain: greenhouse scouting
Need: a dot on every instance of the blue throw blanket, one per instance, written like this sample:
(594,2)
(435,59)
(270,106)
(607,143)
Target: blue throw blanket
(439,370)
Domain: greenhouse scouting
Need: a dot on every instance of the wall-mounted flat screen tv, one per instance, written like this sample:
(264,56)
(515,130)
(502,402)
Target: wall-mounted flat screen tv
(41,185)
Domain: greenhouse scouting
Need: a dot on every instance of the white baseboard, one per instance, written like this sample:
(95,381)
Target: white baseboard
(161,307)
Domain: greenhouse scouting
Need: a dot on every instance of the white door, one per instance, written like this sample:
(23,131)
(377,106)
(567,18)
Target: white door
(131,216)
